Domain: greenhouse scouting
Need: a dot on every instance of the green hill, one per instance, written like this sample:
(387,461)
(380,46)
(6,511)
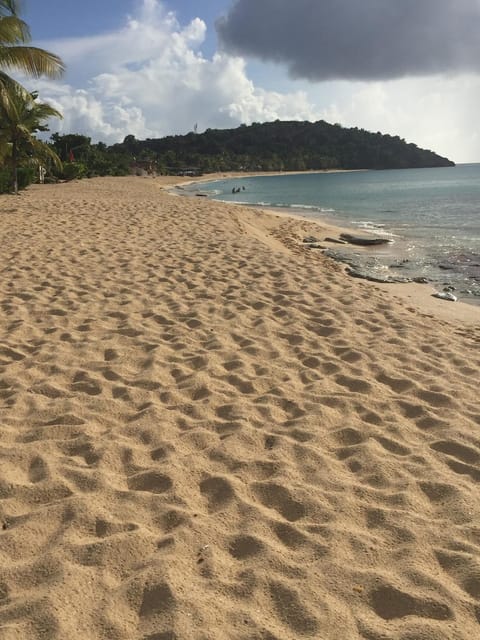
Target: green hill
(282,146)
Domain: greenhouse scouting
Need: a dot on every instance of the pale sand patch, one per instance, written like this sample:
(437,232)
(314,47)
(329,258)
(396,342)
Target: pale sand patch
(208,431)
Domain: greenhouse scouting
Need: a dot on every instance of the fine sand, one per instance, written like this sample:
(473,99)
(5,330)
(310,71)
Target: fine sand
(208,431)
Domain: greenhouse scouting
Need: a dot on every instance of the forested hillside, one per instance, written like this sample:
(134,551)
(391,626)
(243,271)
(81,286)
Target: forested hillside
(283,146)
(273,146)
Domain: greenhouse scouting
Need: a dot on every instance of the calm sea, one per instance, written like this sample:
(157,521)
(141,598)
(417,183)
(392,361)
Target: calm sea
(432,217)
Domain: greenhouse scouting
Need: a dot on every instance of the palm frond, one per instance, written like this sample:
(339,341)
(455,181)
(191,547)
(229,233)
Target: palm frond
(43,111)
(9,87)
(13,30)
(32,60)
(9,7)
(23,131)
(21,114)
(43,151)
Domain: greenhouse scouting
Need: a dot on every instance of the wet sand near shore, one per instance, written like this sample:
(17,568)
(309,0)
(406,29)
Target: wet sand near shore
(209,431)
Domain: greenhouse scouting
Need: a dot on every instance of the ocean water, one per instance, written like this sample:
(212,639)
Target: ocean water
(431,216)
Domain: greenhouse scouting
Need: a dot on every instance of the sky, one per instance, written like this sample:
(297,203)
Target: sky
(158,67)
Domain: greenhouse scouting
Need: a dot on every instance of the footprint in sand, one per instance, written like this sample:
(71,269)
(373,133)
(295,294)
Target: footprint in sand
(109,355)
(38,470)
(244,546)
(390,603)
(466,454)
(104,528)
(151,481)
(289,535)
(218,491)
(83,383)
(290,610)
(157,599)
(355,385)
(277,497)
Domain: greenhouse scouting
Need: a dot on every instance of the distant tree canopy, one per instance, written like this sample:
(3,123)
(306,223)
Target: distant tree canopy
(81,158)
(282,146)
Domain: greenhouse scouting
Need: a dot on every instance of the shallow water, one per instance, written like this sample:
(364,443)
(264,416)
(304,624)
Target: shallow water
(432,217)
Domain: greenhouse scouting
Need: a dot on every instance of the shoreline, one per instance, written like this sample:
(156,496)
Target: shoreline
(418,295)
(225,175)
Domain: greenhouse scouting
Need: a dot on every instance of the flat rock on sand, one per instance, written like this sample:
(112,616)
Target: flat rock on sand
(364,241)
(208,432)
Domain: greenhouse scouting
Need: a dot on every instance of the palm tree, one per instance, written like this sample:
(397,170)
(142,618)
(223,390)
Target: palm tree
(14,54)
(21,116)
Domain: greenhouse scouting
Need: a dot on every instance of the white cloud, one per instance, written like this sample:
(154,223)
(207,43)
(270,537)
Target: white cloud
(151,79)
(437,113)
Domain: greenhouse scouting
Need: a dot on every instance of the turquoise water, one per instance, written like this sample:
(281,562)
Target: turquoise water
(432,217)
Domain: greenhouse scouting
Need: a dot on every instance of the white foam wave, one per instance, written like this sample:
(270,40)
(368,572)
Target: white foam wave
(307,206)
(374,227)
(264,204)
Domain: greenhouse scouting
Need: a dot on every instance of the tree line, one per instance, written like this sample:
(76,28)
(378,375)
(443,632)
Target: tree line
(283,146)
(272,146)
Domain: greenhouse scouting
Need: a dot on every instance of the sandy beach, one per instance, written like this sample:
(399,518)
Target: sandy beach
(209,432)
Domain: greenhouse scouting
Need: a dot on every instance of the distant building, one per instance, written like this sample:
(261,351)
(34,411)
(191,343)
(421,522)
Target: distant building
(183,171)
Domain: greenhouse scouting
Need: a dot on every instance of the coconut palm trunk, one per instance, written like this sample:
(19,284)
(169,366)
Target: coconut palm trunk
(15,167)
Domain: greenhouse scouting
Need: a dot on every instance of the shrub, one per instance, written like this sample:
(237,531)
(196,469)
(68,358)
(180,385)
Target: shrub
(26,176)
(5,181)
(73,171)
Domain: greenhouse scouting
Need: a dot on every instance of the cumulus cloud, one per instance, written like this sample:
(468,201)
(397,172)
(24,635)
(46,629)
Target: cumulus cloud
(357,39)
(151,79)
(436,113)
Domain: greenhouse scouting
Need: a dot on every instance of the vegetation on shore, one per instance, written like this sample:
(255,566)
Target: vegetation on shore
(21,116)
(272,146)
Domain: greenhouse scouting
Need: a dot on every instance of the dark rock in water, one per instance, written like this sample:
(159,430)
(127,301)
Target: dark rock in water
(363,241)
(449,288)
(310,239)
(335,240)
(420,280)
(341,257)
(446,267)
(380,279)
(399,265)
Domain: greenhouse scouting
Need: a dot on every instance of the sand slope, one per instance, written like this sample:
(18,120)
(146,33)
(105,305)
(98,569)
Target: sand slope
(207,431)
